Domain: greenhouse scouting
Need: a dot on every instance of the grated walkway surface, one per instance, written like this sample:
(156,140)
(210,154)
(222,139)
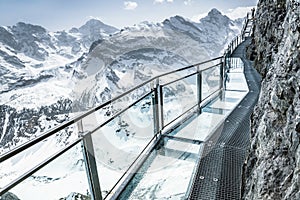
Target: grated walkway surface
(219,170)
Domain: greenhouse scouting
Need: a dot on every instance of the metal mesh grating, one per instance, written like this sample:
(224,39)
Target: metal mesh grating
(209,169)
(218,174)
(229,187)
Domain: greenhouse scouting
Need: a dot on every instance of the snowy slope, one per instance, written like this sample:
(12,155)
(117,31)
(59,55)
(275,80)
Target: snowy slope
(30,54)
(36,78)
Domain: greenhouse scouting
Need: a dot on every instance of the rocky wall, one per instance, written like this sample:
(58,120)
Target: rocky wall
(272,169)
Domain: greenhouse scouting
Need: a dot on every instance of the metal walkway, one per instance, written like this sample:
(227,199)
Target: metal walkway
(219,171)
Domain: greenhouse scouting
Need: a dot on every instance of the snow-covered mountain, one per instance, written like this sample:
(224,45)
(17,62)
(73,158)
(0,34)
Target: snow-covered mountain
(30,54)
(35,80)
(137,53)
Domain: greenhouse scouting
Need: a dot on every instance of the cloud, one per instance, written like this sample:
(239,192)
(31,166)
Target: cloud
(239,12)
(130,5)
(162,1)
(187,2)
(196,18)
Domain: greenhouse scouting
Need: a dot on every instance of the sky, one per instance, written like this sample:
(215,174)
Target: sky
(58,15)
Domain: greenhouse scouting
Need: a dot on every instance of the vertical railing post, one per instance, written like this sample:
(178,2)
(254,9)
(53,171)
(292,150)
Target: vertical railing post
(228,64)
(90,162)
(222,73)
(199,88)
(233,45)
(223,76)
(161,105)
(80,127)
(234,42)
(155,106)
(91,167)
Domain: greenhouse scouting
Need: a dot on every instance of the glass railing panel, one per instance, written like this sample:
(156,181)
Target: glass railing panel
(119,142)
(93,120)
(106,112)
(209,64)
(210,81)
(179,97)
(20,163)
(19,124)
(130,98)
(236,65)
(176,75)
(166,173)
(63,178)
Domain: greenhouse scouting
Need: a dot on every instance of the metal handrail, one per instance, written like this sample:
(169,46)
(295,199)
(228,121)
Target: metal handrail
(196,104)
(51,132)
(38,167)
(152,141)
(120,112)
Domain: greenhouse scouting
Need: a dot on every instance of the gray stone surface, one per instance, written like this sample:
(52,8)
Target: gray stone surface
(9,196)
(272,169)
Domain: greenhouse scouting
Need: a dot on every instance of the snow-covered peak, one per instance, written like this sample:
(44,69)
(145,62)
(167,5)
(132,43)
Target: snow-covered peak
(216,17)
(180,24)
(177,18)
(214,12)
(30,55)
(25,28)
(96,25)
(147,23)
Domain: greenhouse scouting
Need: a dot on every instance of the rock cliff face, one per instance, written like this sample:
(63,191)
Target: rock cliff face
(272,169)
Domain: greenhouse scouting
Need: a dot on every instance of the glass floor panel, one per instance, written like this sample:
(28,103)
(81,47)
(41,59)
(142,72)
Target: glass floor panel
(166,174)
(200,127)
(236,79)
(230,100)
